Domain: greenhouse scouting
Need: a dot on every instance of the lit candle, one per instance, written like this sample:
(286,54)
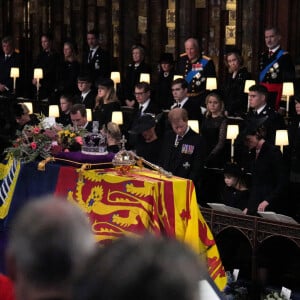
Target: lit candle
(145,77)
(248,83)
(232,132)
(89,114)
(115,76)
(287,90)
(211,83)
(117,117)
(14,73)
(194,124)
(53,111)
(38,74)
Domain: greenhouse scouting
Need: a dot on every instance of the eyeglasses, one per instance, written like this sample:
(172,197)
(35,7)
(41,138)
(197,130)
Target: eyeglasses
(177,89)
(139,94)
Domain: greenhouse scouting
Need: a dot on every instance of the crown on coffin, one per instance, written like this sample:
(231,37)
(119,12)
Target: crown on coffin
(94,143)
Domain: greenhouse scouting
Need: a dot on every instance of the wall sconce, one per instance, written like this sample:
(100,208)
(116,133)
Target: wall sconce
(117,117)
(29,106)
(287,90)
(177,76)
(89,117)
(145,77)
(14,73)
(115,76)
(281,139)
(38,74)
(211,83)
(53,111)
(194,124)
(232,132)
(248,84)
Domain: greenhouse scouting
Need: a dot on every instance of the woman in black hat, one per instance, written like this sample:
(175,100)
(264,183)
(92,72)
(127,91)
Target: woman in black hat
(164,97)
(106,102)
(236,193)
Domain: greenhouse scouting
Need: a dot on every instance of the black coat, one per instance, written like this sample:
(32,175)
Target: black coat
(5,65)
(132,77)
(274,121)
(269,180)
(89,100)
(99,66)
(163,93)
(68,75)
(103,113)
(235,100)
(192,106)
(187,159)
(49,62)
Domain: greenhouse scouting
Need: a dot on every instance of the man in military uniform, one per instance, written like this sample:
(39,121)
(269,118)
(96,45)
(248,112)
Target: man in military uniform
(195,68)
(275,66)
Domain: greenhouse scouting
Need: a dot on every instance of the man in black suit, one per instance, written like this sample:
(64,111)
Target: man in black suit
(275,66)
(143,105)
(96,61)
(183,149)
(180,94)
(79,117)
(8,59)
(87,93)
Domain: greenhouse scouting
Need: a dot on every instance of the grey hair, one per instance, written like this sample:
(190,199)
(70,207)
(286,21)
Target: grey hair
(49,241)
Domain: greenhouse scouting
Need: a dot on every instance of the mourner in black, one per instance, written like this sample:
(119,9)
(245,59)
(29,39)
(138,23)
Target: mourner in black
(106,101)
(79,117)
(96,61)
(148,144)
(275,66)
(183,150)
(269,174)
(87,94)
(132,74)
(9,58)
(235,100)
(65,103)
(163,93)
(48,60)
(69,70)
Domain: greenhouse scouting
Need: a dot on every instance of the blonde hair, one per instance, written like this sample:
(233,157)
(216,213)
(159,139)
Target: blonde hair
(217,96)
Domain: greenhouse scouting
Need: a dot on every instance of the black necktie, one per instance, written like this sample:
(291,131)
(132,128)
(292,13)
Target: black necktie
(140,110)
(90,56)
(82,99)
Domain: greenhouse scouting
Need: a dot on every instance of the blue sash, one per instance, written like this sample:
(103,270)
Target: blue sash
(267,68)
(191,73)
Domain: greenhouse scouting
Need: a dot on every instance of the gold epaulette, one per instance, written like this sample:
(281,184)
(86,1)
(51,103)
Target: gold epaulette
(206,57)
(183,54)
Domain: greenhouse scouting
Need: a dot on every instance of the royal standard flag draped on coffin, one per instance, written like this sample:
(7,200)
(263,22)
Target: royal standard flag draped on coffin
(138,202)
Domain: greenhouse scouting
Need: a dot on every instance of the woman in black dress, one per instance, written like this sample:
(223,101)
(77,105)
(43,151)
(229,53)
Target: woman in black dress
(69,71)
(213,130)
(133,72)
(233,89)
(106,102)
